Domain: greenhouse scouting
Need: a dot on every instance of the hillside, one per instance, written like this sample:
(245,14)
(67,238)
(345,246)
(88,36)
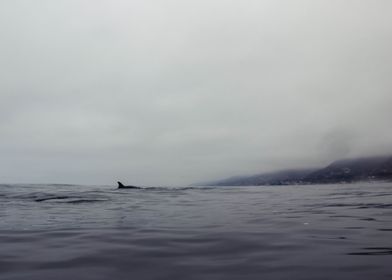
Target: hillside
(341,171)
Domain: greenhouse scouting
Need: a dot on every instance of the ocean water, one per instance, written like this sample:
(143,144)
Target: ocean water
(281,232)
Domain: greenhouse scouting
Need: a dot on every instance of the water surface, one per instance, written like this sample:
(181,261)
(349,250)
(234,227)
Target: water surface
(281,232)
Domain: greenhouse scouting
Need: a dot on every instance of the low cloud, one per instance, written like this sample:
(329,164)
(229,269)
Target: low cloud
(178,92)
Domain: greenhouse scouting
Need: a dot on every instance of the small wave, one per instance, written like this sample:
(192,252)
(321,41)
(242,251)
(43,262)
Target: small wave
(70,199)
(375,205)
(31,195)
(67,197)
(373,251)
(355,205)
(385,229)
(51,198)
(77,201)
(355,193)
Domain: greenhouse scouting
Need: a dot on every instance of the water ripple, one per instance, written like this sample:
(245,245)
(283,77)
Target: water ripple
(275,233)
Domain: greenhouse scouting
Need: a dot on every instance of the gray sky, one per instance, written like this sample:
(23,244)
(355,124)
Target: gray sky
(176,92)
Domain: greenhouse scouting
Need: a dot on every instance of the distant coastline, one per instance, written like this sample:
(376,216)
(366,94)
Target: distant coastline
(341,171)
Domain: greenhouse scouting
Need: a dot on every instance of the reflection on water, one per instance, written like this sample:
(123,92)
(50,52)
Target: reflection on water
(283,232)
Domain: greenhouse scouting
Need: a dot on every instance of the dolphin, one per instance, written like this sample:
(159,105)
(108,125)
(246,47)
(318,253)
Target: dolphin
(121,186)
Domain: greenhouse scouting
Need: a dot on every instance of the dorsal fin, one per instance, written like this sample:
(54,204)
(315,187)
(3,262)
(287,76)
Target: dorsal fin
(120,185)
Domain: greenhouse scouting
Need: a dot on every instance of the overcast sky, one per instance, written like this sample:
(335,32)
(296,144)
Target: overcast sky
(181,91)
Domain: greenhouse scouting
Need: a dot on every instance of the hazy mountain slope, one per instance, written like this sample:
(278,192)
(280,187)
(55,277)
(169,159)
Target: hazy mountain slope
(347,170)
(283,177)
(375,168)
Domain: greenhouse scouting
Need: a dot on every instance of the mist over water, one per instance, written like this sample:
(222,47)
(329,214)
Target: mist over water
(281,232)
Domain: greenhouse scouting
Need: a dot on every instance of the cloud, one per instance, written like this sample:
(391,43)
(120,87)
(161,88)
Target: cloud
(174,92)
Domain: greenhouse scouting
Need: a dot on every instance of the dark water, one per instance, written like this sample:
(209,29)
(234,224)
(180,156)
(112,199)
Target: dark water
(288,232)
